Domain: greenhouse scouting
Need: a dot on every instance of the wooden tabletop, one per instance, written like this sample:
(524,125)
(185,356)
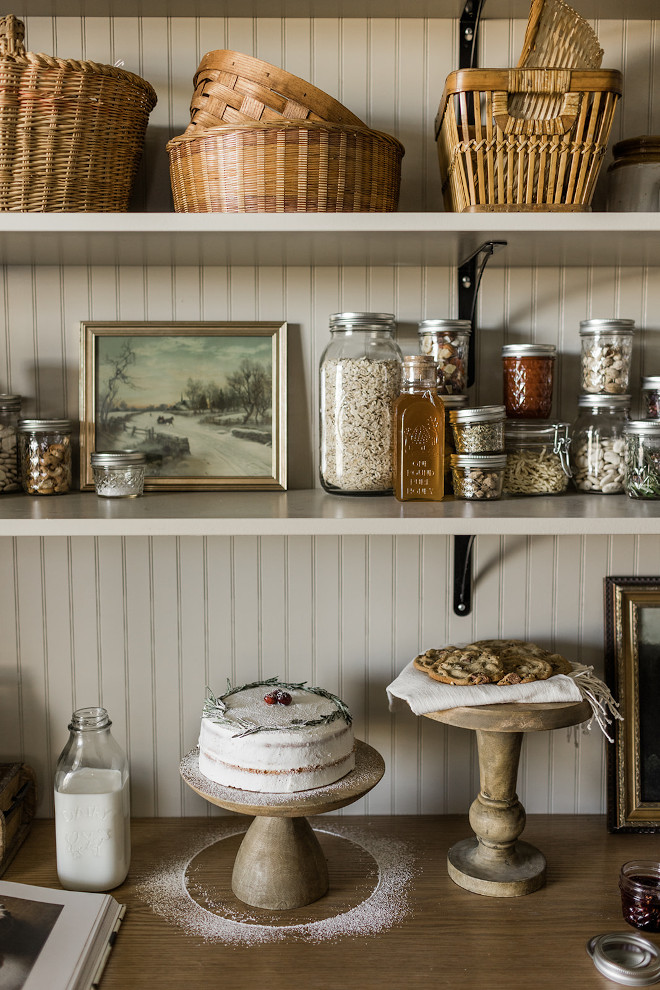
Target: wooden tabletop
(446,937)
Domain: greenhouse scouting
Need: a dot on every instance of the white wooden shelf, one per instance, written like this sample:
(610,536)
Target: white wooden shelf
(314,513)
(439,239)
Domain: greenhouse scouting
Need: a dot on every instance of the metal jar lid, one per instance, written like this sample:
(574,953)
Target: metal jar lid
(453,402)
(444,326)
(117,458)
(45,425)
(9,401)
(494,461)
(529,350)
(362,321)
(625,957)
(596,401)
(589,327)
(650,382)
(481,414)
(643,427)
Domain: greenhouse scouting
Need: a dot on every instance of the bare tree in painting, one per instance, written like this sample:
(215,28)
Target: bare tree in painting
(251,384)
(118,376)
(196,394)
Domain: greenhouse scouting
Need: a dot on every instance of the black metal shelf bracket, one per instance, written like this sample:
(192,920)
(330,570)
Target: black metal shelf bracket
(469,29)
(463,574)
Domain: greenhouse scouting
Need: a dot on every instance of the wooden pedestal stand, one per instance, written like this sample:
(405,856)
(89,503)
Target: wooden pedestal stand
(495,862)
(280,864)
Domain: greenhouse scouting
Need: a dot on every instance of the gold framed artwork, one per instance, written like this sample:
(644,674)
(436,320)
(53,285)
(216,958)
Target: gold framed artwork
(632,621)
(205,402)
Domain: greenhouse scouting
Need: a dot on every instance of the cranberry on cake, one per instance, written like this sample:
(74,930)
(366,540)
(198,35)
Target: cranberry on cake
(275,737)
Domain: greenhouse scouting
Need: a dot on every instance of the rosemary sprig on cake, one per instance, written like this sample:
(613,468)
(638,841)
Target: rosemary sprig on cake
(216,709)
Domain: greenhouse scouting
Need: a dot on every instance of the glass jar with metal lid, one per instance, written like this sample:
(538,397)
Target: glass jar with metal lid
(118,473)
(448,342)
(537,459)
(528,379)
(597,444)
(642,453)
(651,397)
(360,379)
(478,476)
(478,430)
(45,455)
(634,175)
(10,407)
(606,353)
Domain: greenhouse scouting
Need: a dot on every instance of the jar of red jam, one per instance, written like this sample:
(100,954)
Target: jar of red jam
(639,882)
(528,371)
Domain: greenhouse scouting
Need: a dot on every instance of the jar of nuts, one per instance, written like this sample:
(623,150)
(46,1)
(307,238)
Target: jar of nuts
(448,342)
(45,455)
(478,431)
(537,459)
(478,476)
(606,347)
(10,407)
(597,444)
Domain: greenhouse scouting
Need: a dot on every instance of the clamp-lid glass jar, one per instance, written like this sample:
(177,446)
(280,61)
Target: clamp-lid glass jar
(478,430)
(642,453)
(597,444)
(448,343)
(606,352)
(10,407)
(528,378)
(45,455)
(118,473)
(360,379)
(537,460)
(478,476)
(651,397)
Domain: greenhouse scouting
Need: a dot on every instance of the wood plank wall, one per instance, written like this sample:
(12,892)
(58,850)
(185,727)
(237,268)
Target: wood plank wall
(142,625)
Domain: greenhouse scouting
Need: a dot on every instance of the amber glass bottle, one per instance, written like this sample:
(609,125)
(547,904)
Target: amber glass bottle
(419,434)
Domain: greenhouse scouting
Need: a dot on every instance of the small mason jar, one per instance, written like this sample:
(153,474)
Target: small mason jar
(479,430)
(528,378)
(597,444)
(606,352)
(639,883)
(642,453)
(478,476)
(118,473)
(360,379)
(537,461)
(45,455)
(448,343)
(651,397)
(92,809)
(10,407)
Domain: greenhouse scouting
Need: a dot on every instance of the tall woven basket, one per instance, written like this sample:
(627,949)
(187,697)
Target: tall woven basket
(71,133)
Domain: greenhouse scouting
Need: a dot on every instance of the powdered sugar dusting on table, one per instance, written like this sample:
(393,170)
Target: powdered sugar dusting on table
(166,891)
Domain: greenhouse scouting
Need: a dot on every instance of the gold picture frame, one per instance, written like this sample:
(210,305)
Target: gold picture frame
(205,401)
(632,621)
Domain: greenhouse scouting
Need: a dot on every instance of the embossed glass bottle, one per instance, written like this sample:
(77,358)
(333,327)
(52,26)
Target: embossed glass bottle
(92,812)
(419,452)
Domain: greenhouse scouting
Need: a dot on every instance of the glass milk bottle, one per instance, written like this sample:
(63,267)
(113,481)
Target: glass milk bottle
(92,818)
(419,449)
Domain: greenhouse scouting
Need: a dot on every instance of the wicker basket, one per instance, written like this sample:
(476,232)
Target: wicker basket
(557,37)
(293,166)
(232,88)
(492,160)
(71,133)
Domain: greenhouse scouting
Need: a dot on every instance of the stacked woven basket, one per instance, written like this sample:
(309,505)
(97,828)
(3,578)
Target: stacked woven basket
(261,140)
(534,137)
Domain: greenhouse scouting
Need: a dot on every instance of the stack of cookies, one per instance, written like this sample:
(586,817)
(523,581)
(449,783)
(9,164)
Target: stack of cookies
(492,661)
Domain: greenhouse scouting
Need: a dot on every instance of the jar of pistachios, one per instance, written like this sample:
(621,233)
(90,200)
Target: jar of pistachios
(478,476)
(479,430)
(606,353)
(537,460)
(45,455)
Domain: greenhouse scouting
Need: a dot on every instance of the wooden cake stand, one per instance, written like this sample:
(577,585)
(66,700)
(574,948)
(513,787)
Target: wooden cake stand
(280,864)
(494,861)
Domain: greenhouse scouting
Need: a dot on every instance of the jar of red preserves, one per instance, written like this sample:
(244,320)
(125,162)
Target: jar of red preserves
(528,376)
(639,882)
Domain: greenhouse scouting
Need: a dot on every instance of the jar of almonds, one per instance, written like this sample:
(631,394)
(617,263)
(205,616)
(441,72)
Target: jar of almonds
(10,407)
(44,447)
(597,444)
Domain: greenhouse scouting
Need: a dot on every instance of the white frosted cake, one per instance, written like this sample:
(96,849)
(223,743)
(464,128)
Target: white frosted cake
(274,737)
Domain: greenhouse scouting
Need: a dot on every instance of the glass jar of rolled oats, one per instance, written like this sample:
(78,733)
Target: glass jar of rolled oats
(45,455)
(537,459)
(448,342)
(606,352)
(597,444)
(360,379)
(10,407)
(478,476)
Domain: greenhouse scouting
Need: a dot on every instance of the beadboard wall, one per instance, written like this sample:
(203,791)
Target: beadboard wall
(142,625)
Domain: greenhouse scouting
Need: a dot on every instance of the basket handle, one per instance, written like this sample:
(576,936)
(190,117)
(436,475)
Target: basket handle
(12,36)
(534,84)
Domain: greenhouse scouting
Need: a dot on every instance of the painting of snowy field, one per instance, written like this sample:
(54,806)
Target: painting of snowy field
(205,403)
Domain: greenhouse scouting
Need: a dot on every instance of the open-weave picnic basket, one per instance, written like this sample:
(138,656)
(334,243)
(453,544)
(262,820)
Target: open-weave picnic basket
(288,166)
(71,132)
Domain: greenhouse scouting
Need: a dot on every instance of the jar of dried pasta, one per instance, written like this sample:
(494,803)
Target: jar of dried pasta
(606,353)
(45,455)
(448,342)
(597,444)
(478,430)
(528,378)
(478,476)
(537,460)
(360,379)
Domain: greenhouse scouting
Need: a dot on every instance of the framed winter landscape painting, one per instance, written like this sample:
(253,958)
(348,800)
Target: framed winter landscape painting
(205,402)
